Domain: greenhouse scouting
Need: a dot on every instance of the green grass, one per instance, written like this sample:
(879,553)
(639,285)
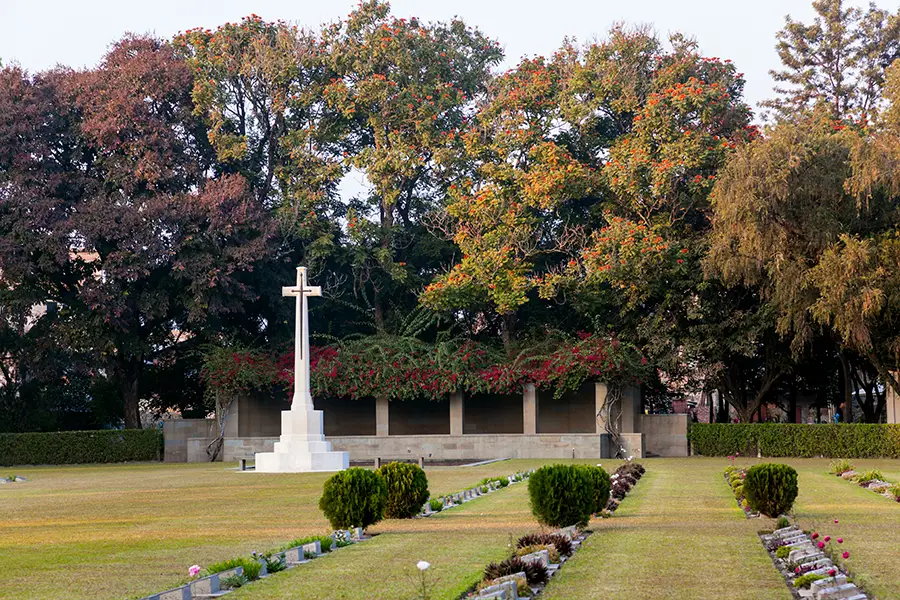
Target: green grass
(121,531)
(458,543)
(117,531)
(679,534)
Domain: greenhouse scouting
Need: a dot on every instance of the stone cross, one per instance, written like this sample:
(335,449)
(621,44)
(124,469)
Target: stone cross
(302,398)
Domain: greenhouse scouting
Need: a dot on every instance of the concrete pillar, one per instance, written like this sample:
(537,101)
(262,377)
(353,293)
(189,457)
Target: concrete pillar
(456,413)
(529,410)
(232,419)
(631,404)
(382,412)
(600,391)
(892,402)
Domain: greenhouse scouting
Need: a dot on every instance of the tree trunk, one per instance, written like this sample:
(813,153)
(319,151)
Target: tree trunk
(847,415)
(508,333)
(129,388)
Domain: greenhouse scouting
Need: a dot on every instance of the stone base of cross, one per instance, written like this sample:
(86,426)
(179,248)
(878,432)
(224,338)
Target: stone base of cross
(302,447)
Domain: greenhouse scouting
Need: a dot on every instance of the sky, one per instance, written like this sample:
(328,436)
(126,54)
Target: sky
(39,34)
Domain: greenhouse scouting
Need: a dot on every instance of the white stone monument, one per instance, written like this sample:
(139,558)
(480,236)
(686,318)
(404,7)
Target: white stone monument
(302,447)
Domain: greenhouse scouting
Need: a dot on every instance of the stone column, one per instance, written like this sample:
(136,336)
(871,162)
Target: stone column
(382,415)
(631,404)
(892,404)
(529,410)
(456,413)
(600,391)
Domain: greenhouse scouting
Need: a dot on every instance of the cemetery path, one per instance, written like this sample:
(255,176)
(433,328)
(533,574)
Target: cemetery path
(679,534)
(458,543)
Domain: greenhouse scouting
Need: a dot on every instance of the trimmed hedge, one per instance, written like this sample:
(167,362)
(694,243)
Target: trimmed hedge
(831,440)
(561,495)
(354,498)
(771,488)
(77,447)
(407,489)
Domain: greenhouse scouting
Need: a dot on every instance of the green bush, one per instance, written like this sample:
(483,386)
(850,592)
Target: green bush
(738,491)
(771,488)
(77,447)
(783,522)
(436,504)
(354,498)
(561,495)
(867,476)
(839,467)
(831,440)
(251,566)
(782,552)
(601,486)
(407,489)
(504,482)
(805,581)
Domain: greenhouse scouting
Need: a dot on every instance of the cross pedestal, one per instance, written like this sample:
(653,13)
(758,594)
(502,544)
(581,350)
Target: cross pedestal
(302,447)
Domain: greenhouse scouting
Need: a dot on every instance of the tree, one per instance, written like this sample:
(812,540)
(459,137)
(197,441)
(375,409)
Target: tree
(807,215)
(838,62)
(124,231)
(405,87)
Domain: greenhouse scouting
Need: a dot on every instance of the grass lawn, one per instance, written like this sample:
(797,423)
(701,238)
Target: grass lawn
(457,543)
(679,534)
(117,531)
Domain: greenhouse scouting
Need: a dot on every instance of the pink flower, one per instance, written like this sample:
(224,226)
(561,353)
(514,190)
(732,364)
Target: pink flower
(840,540)
(797,570)
(827,538)
(815,535)
(832,572)
(194,570)
(846,554)
(821,545)
(835,520)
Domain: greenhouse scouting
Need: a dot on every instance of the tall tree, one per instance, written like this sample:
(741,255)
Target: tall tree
(836,62)
(129,238)
(405,87)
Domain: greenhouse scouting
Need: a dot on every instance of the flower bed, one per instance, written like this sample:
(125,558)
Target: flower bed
(871,479)
(814,565)
(536,557)
(735,476)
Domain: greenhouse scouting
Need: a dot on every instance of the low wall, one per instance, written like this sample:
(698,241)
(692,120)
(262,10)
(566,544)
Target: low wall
(450,447)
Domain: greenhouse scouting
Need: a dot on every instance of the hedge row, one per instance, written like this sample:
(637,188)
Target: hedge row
(833,440)
(72,447)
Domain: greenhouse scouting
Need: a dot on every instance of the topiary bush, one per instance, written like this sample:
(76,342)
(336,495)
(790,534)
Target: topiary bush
(354,498)
(601,486)
(561,495)
(771,488)
(407,489)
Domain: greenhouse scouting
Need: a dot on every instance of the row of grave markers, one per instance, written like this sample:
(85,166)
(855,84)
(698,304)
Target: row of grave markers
(805,552)
(459,498)
(210,586)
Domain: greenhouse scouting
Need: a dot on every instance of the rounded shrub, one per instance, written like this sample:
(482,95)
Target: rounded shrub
(354,498)
(771,488)
(601,486)
(407,489)
(561,495)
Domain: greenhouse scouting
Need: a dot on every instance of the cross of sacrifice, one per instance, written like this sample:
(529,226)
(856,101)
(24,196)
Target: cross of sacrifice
(301,338)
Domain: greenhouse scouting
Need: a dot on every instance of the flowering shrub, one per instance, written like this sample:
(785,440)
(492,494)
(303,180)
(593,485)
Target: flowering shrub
(407,368)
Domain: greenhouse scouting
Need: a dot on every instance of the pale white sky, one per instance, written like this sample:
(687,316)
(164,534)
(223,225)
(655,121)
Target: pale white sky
(41,33)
